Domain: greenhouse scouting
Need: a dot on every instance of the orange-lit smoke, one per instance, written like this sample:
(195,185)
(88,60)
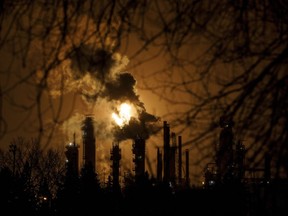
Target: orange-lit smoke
(125,112)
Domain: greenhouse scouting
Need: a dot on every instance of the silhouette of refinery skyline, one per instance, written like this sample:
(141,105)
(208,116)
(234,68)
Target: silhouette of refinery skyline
(166,160)
(227,189)
(228,165)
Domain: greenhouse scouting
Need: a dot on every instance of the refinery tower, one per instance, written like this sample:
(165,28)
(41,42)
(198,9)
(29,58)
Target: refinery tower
(89,143)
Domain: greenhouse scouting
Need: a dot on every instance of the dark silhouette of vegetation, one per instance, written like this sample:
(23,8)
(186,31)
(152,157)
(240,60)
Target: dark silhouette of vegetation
(30,176)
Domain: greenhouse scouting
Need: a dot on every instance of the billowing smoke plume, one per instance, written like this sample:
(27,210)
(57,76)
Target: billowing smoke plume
(98,75)
(143,127)
(121,88)
(96,62)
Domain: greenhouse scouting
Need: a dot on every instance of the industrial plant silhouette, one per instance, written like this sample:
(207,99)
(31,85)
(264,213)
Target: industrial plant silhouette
(230,187)
(228,166)
(166,164)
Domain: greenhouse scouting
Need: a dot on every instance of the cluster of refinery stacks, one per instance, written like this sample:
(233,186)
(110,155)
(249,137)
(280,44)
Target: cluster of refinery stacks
(228,165)
(166,158)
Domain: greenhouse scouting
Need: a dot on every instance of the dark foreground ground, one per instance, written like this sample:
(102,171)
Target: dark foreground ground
(233,200)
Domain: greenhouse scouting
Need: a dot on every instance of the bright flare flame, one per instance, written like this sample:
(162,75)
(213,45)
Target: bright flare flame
(124,115)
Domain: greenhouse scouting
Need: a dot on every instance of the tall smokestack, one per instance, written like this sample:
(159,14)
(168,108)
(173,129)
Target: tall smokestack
(173,158)
(166,143)
(159,165)
(89,145)
(187,168)
(179,160)
(115,158)
(139,157)
(224,154)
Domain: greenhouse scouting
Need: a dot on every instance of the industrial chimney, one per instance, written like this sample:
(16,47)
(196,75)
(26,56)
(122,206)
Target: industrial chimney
(115,158)
(180,160)
(187,168)
(89,145)
(166,144)
(172,158)
(159,165)
(139,157)
(224,154)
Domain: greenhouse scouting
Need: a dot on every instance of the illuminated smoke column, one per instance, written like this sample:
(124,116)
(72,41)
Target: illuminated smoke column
(98,75)
(122,89)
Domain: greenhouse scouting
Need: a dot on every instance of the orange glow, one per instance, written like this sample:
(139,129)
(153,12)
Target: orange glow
(125,113)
